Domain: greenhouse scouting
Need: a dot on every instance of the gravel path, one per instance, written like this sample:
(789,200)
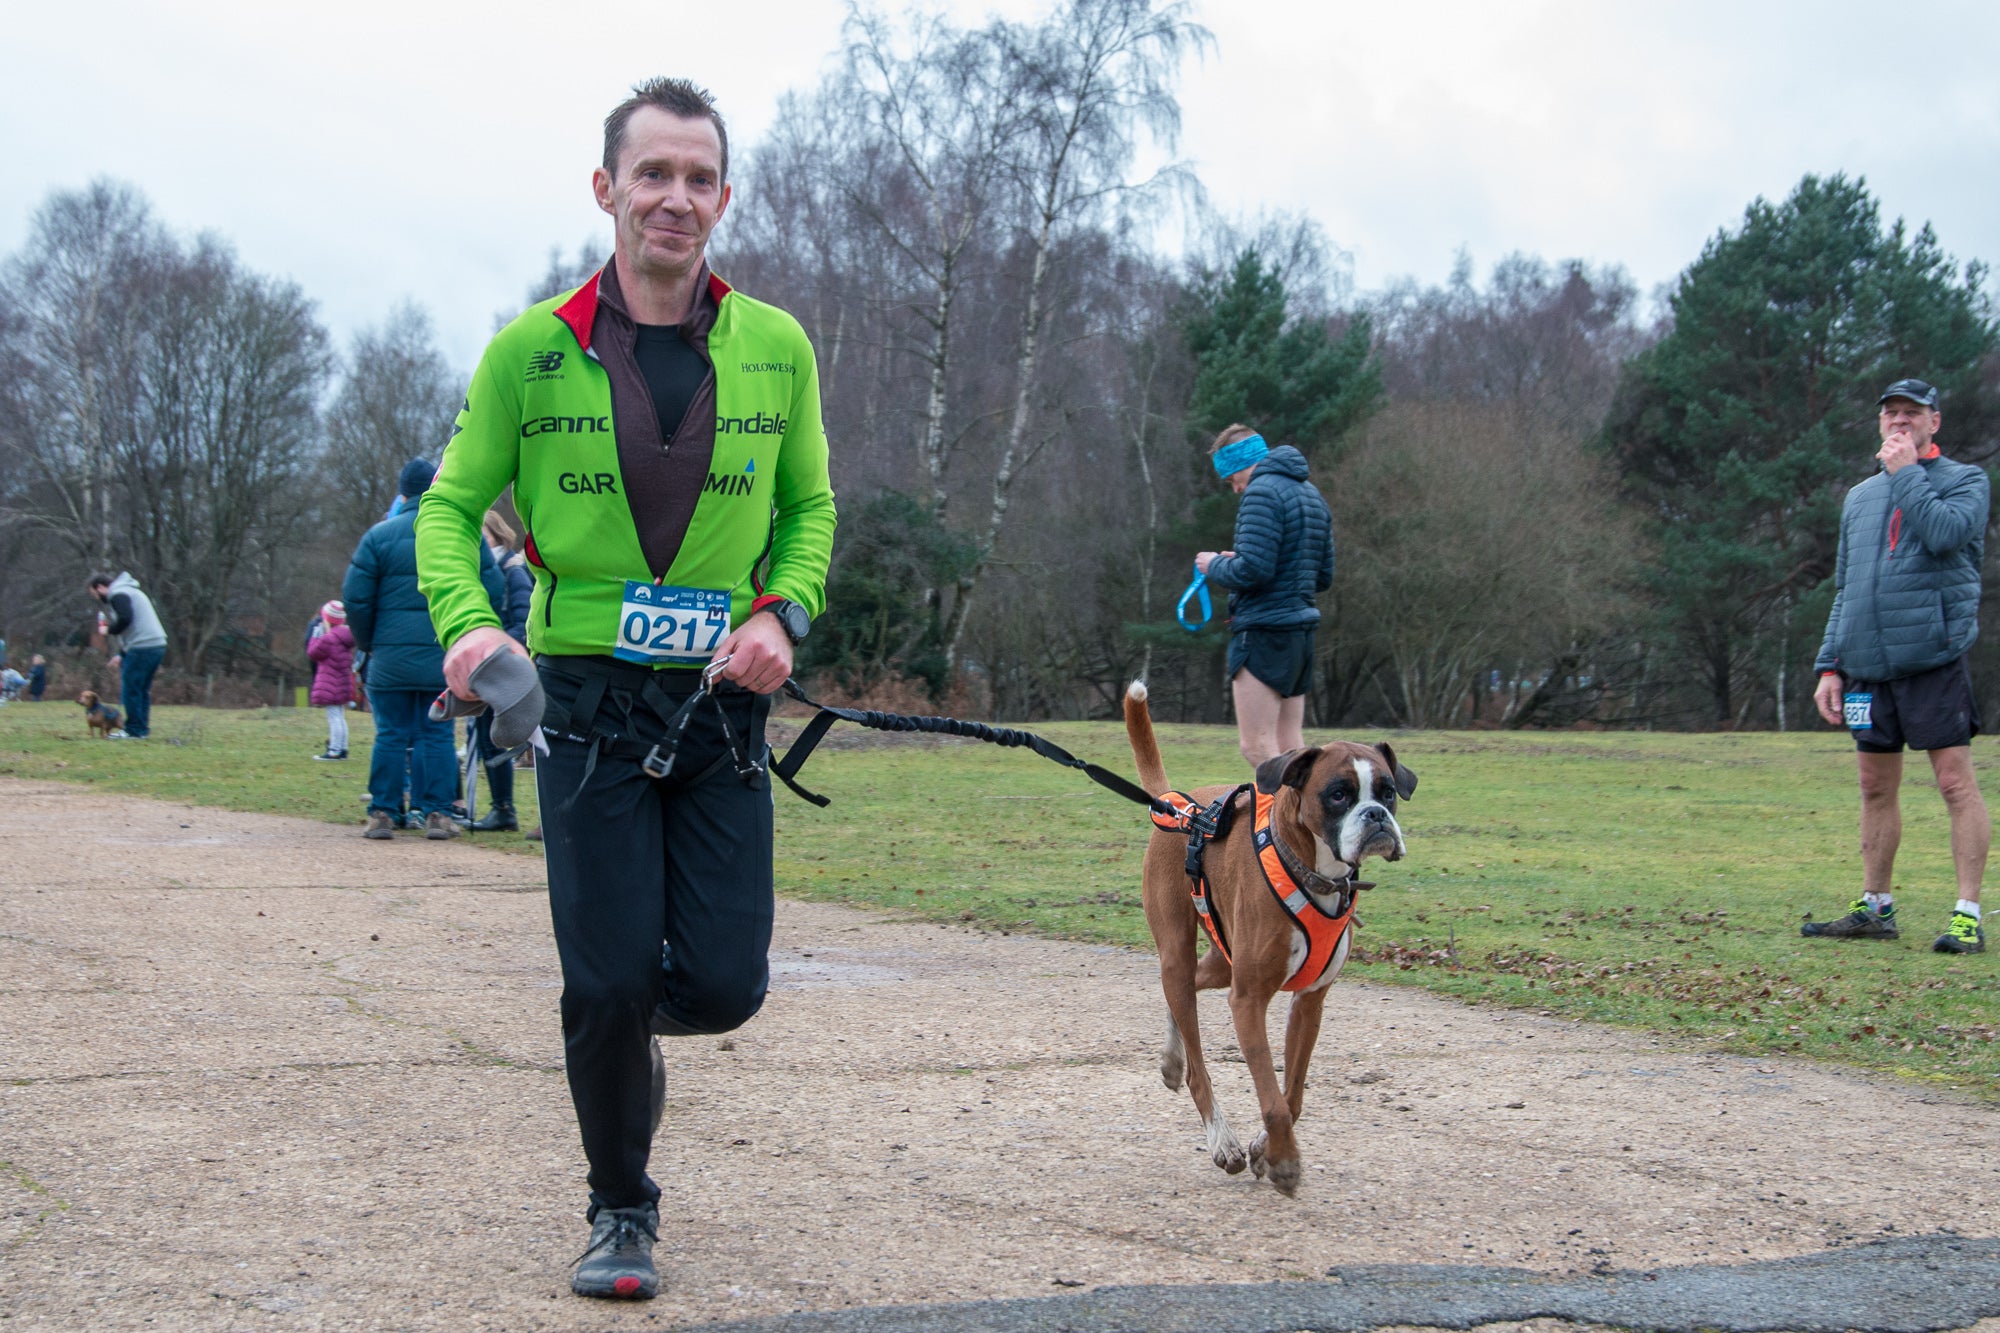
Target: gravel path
(258,1073)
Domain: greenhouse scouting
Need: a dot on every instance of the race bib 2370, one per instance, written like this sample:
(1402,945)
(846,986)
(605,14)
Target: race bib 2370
(664,624)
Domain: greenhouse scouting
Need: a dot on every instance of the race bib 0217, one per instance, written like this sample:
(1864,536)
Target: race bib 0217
(661,624)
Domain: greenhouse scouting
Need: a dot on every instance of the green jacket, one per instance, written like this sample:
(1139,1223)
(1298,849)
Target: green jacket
(539,415)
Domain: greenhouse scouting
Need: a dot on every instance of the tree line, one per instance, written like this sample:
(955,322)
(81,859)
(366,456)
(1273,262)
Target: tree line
(1552,505)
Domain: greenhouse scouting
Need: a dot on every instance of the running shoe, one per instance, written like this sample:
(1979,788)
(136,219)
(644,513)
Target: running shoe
(1963,935)
(619,1262)
(1862,922)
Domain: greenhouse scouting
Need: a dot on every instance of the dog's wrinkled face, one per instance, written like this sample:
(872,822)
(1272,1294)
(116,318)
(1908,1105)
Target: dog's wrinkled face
(1347,797)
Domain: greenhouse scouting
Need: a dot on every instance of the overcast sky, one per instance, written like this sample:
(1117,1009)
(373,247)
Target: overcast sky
(436,149)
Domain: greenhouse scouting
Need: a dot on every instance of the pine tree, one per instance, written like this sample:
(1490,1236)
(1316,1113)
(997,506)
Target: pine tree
(1741,430)
(1291,378)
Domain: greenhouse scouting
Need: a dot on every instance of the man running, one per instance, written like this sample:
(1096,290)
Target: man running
(662,434)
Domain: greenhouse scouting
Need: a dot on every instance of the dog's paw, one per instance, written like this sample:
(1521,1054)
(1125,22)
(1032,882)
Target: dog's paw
(1223,1149)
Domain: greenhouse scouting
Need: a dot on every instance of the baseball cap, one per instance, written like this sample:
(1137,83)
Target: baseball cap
(1915,390)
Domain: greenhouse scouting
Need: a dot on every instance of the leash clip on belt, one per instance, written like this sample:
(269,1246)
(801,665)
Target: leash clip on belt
(1197,588)
(656,765)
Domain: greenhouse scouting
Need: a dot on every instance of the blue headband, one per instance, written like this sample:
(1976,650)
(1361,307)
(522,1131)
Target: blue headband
(1232,458)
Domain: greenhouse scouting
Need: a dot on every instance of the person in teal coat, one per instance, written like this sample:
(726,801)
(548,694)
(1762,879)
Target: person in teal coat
(391,622)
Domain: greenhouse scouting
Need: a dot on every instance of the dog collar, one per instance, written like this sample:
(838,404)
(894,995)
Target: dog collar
(1311,880)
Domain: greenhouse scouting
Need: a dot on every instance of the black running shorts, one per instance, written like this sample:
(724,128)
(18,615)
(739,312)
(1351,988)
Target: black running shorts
(1281,658)
(1932,710)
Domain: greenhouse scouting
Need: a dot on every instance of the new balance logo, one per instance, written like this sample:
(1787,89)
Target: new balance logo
(544,365)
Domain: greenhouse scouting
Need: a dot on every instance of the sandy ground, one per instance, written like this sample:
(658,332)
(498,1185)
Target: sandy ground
(259,1073)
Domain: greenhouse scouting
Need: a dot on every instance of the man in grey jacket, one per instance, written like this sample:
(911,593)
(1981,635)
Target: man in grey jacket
(1893,665)
(142,644)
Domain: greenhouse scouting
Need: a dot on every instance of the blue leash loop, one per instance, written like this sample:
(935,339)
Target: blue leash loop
(1197,588)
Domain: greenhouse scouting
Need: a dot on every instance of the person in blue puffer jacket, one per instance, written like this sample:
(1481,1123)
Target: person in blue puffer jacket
(1282,561)
(1893,663)
(391,621)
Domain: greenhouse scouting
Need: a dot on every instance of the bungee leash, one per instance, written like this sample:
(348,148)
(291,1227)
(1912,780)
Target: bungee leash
(657,758)
(802,748)
(1197,588)
(1290,881)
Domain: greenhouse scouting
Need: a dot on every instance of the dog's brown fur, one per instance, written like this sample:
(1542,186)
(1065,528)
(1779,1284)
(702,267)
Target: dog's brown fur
(101,718)
(1259,933)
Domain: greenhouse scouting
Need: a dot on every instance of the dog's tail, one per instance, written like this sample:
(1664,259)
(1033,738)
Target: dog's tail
(1145,747)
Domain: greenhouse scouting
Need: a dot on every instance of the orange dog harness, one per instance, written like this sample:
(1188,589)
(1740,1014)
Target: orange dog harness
(1287,879)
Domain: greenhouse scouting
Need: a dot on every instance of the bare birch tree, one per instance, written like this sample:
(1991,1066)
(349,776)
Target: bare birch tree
(934,128)
(1091,83)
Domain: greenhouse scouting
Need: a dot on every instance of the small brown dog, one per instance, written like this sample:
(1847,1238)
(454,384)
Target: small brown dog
(1330,807)
(102,717)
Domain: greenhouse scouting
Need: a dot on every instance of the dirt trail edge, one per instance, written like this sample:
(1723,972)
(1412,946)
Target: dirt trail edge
(258,1073)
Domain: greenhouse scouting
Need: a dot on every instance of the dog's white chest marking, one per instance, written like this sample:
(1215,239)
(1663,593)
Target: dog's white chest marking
(1335,963)
(1331,866)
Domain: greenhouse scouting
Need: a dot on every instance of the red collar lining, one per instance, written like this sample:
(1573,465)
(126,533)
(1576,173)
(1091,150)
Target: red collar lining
(580,311)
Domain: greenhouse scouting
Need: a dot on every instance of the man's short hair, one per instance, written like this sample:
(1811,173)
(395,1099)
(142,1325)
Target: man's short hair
(98,581)
(676,97)
(1230,435)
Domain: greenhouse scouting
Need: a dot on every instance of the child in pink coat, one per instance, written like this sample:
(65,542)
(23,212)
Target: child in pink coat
(332,654)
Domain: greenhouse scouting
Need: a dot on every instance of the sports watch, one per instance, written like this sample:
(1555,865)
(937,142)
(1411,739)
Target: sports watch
(797,624)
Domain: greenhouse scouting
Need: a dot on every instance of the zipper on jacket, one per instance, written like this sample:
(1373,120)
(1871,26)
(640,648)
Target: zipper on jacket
(533,556)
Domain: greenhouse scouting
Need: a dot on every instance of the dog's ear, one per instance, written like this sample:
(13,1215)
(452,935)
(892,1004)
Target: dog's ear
(1406,781)
(1287,770)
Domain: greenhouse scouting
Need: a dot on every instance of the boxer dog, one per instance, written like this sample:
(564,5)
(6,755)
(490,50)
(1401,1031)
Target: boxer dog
(1331,806)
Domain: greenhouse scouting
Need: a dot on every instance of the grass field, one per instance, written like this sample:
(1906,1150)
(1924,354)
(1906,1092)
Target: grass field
(1648,880)
(252,759)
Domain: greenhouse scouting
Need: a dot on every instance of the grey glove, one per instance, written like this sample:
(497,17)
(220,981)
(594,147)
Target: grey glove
(508,683)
